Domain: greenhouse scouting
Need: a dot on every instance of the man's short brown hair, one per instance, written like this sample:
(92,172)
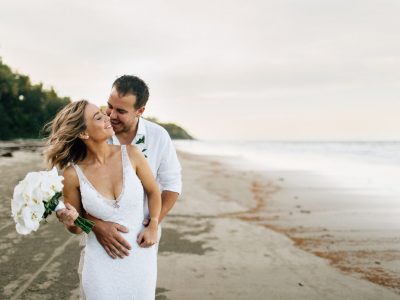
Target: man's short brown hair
(129,84)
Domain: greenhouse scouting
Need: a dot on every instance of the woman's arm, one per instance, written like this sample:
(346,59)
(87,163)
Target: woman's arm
(72,200)
(148,236)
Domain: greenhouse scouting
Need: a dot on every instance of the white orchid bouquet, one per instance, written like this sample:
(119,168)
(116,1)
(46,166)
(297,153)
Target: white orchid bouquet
(36,197)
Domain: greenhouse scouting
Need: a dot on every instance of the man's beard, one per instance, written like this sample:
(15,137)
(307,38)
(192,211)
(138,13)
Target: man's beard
(121,128)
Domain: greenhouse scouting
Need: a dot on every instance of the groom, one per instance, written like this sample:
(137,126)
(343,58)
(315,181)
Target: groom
(125,106)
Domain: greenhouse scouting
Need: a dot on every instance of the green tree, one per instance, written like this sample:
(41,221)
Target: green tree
(25,108)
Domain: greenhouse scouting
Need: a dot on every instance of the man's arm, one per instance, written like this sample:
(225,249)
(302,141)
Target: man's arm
(108,235)
(168,200)
(169,176)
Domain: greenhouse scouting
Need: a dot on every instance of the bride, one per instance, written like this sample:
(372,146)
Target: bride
(107,182)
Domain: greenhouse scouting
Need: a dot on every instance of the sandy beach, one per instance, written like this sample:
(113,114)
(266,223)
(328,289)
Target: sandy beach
(234,234)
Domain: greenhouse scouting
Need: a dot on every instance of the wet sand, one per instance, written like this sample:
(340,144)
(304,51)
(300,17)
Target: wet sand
(265,238)
(232,235)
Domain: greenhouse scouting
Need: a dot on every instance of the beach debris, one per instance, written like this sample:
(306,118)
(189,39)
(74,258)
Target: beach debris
(300,284)
(7,154)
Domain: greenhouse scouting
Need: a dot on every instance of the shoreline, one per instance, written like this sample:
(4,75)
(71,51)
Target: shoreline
(353,251)
(245,248)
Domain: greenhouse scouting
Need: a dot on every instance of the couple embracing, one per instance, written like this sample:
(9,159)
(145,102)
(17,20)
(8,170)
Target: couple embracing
(120,171)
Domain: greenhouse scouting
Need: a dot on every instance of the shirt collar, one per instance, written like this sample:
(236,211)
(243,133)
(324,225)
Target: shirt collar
(141,128)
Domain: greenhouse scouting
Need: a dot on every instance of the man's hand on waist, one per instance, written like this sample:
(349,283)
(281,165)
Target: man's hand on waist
(109,236)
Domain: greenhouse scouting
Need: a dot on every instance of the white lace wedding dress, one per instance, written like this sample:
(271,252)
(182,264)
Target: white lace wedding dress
(134,276)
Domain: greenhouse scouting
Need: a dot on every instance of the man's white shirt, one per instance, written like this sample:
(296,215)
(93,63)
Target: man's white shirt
(155,143)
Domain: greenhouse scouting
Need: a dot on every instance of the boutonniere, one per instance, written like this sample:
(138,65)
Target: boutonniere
(141,142)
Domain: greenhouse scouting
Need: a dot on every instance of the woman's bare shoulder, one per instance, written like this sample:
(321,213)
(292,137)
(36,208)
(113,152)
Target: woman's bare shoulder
(70,176)
(134,153)
(133,150)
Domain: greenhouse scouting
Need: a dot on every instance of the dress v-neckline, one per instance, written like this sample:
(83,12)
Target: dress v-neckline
(101,195)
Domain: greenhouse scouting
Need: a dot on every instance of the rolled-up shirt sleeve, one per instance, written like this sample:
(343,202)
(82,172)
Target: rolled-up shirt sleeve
(169,172)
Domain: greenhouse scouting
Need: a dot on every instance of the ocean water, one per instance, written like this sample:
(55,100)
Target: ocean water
(370,166)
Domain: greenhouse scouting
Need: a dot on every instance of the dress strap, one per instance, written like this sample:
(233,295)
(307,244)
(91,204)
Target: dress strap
(125,158)
(126,162)
(79,172)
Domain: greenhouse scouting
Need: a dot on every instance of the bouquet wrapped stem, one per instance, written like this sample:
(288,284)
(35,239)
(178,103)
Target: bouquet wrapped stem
(54,204)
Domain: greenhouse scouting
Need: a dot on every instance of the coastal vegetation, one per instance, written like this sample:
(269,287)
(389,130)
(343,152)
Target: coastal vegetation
(26,107)
(176,132)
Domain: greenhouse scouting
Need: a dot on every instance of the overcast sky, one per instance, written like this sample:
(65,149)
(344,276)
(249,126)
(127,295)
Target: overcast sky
(234,70)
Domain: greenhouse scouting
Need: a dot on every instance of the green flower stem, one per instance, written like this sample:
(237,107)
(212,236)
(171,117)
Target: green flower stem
(85,224)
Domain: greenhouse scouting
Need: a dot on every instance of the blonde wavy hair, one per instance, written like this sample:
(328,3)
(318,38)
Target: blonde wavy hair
(63,144)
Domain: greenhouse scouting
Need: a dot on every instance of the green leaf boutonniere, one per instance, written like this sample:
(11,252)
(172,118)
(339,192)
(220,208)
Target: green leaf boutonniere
(144,153)
(140,141)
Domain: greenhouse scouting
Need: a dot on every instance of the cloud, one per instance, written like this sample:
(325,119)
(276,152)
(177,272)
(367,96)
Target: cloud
(216,59)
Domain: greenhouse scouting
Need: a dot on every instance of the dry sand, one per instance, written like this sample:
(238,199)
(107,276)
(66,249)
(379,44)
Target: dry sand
(230,236)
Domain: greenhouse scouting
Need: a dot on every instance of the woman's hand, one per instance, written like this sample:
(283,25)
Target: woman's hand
(148,236)
(67,215)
